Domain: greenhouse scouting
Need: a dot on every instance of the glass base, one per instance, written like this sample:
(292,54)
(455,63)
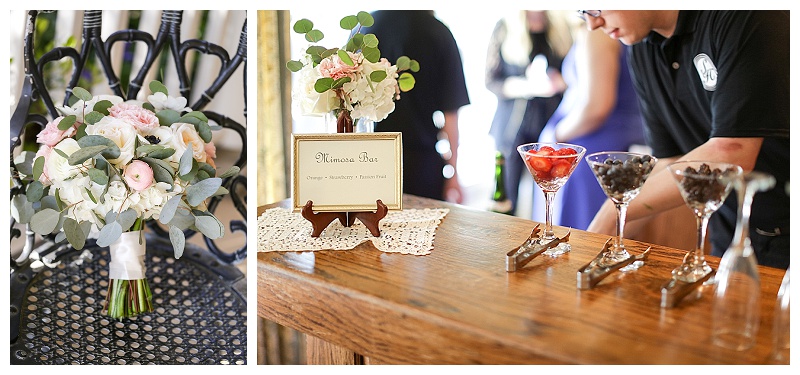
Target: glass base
(616,256)
(734,340)
(690,273)
(557,250)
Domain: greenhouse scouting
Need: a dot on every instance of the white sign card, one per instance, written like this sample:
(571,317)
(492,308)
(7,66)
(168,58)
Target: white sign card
(347,172)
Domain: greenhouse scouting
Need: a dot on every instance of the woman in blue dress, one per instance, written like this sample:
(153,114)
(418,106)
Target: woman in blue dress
(599,111)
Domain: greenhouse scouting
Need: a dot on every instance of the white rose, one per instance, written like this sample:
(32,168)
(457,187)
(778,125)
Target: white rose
(119,131)
(182,135)
(57,167)
(80,107)
(162,101)
(306,99)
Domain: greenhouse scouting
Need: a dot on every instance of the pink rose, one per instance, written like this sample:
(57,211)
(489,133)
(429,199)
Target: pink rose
(140,118)
(51,134)
(138,175)
(44,152)
(211,153)
(335,68)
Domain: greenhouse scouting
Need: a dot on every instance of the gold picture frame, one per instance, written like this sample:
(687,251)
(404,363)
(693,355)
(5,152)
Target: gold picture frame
(347,172)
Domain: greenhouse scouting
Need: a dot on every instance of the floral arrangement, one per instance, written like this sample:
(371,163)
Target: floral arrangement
(106,167)
(351,82)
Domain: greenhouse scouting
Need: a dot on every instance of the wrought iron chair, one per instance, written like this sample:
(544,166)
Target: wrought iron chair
(200,312)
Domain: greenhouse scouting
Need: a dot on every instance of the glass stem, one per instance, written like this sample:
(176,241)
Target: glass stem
(548,225)
(702,225)
(622,210)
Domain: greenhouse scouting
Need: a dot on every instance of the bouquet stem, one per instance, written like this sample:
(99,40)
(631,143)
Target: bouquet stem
(128,290)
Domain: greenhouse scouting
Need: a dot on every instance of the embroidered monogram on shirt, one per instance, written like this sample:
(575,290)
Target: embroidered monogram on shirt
(707,71)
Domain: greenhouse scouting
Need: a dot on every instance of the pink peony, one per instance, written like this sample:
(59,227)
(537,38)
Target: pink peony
(44,151)
(335,68)
(140,118)
(138,175)
(51,134)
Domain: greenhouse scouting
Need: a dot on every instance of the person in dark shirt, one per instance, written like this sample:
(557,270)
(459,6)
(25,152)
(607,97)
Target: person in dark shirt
(713,86)
(440,86)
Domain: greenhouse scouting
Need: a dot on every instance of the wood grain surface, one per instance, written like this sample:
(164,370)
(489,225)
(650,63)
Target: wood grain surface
(458,305)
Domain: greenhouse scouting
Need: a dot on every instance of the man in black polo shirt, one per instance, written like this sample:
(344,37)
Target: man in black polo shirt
(713,86)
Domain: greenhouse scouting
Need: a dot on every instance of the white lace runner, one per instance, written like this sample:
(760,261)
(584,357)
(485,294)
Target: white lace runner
(409,231)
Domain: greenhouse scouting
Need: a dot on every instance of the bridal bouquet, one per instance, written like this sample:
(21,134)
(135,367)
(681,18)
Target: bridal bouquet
(106,167)
(351,82)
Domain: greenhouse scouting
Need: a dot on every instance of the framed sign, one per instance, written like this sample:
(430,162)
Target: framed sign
(347,172)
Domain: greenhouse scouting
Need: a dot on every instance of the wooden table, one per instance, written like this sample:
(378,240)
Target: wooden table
(458,305)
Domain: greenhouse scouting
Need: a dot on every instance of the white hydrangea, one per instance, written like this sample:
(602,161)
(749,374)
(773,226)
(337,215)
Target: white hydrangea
(373,100)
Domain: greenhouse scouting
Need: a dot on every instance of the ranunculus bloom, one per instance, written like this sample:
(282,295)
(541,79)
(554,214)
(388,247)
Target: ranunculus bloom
(119,131)
(51,134)
(141,118)
(80,107)
(138,175)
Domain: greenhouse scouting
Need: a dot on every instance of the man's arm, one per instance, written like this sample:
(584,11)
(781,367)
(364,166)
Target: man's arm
(660,193)
(452,188)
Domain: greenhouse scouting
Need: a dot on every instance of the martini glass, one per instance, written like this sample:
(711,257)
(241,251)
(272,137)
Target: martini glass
(550,165)
(621,175)
(704,187)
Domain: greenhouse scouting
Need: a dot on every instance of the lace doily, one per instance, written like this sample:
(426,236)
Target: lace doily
(409,231)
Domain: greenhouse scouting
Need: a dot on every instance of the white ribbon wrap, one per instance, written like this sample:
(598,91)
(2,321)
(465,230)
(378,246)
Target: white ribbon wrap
(127,257)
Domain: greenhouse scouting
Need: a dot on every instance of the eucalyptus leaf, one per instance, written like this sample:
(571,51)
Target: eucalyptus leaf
(81,93)
(178,240)
(314,36)
(35,191)
(370,41)
(93,117)
(377,75)
(221,191)
(169,209)
(201,175)
(38,167)
(414,66)
(234,170)
(24,163)
(21,209)
(149,107)
(60,237)
(328,53)
(303,26)
(45,221)
(197,193)
(50,202)
(195,114)
(340,82)
(102,107)
(67,122)
(111,152)
(403,63)
(109,234)
(183,219)
(348,22)
(187,158)
(97,176)
(345,57)
(204,131)
(81,132)
(365,19)
(60,153)
(406,82)
(91,196)
(207,168)
(323,84)
(162,171)
(83,154)
(316,51)
(189,177)
(294,66)
(355,43)
(371,54)
(74,233)
(210,226)
(156,86)
(163,153)
(127,218)
(167,117)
